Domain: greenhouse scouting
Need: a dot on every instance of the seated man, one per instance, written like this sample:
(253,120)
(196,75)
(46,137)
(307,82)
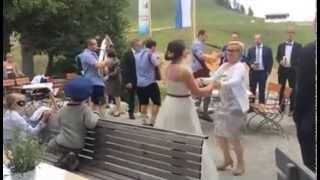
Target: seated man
(73,119)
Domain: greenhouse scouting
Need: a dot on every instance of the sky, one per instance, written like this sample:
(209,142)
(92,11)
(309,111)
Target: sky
(299,10)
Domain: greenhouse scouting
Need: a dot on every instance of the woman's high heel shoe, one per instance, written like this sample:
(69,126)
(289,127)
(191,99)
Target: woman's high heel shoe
(238,171)
(224,166)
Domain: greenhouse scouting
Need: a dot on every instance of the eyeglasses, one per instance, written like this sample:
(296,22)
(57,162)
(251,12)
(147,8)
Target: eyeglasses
(232,50)
(21,103)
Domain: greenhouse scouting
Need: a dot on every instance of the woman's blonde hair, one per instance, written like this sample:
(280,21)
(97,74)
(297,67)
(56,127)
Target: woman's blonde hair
(11,100)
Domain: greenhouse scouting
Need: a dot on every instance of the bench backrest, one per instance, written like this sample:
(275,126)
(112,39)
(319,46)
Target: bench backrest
(142,152)
(22,81)
(58,83)
(8,82)
(289,170)
(71,75)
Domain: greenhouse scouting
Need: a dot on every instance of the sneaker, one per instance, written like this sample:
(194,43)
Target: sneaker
(71,161)
(205,117)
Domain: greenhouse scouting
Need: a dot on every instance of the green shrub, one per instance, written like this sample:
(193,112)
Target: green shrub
(24,153)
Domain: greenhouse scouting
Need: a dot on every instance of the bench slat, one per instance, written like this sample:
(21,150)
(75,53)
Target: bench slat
(156,164)
(147,148)
(130,173)
(142,168)
(102,174)
(149,140)
(160,133)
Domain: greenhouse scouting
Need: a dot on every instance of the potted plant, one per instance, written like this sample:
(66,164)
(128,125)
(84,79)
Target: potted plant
(24,154)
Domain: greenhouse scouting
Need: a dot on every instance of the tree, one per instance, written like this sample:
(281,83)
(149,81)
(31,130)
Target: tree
(250,12)
(242,10)
(57,27)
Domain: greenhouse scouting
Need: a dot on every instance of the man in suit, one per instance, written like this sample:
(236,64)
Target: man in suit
(304,109)
(287,57)
(260,61)
(129,75)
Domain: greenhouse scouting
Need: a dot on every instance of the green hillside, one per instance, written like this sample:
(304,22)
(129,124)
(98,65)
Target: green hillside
(218,21)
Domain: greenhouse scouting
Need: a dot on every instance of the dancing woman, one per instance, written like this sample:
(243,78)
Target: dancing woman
(178,111)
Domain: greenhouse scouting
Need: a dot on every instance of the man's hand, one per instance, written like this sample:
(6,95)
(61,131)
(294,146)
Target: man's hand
(46,116)
(129,86)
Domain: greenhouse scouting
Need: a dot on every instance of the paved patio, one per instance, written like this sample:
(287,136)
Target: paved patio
(258,149)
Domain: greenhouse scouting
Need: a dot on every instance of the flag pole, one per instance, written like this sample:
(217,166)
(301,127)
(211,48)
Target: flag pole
(150,27)
(194,19)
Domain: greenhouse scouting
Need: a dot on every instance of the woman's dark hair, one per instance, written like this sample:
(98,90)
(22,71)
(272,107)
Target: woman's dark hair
(111,53)
(175,50)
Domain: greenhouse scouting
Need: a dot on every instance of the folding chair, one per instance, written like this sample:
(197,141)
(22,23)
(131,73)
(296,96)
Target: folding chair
(271,111)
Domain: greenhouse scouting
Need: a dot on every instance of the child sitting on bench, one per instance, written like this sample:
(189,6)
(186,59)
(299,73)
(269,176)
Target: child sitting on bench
(73,120)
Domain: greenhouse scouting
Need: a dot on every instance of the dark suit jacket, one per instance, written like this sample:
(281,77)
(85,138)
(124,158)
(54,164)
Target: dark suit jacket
(267,58)
(128,67)
(294,55)
(305,84)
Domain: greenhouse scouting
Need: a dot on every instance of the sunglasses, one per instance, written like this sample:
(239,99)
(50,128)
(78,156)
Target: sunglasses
(21,103)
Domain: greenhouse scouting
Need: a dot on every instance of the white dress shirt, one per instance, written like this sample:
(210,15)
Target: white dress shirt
(288,52)
(259,57)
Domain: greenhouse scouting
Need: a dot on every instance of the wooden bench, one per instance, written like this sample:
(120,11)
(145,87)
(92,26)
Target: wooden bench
(289,170)
(120,151)
(70,76)
(7,85)
(19,82)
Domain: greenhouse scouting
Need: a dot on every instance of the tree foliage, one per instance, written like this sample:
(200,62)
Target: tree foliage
(57,27)
(250,12)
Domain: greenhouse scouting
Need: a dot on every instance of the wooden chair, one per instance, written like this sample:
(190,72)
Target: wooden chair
(118,150)
(289,170)
(271,111)
(7,85)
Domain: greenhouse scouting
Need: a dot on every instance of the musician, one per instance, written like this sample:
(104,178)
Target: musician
(287,57)
(91,67)
(260,61)
(200,69)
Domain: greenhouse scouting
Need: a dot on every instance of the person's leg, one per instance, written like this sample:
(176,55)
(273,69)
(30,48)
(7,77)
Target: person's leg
(238,149)
(253,84)
(156,100)
(131,102)
(282,78)
(306,137)
(262,78)
(96,97)
(223,145)
(292,83)
(143,101)
(118,106)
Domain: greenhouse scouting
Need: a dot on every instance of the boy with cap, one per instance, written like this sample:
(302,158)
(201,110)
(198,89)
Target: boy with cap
(73,120)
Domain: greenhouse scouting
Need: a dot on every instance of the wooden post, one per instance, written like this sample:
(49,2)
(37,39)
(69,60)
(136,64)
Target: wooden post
(194,26)
(150,25)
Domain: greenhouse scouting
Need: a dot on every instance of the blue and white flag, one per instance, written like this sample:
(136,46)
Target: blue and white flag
(183,13)
(144,16)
